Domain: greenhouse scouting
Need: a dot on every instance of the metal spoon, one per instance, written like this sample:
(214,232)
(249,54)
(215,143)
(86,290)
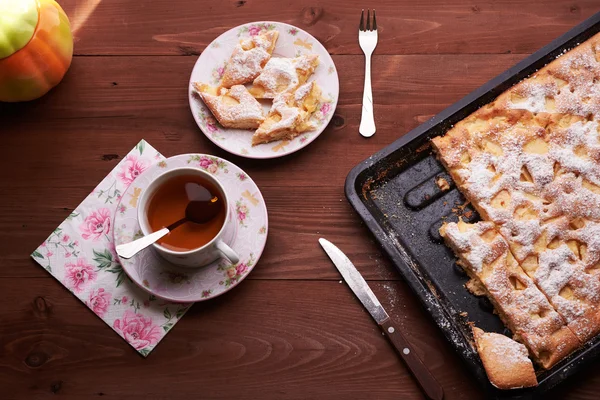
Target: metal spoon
(203,207)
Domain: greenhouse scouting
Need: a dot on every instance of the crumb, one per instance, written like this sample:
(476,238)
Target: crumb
(468,214)
(427,197)
(445,203)
(463,314)
(340,281)
(442,184)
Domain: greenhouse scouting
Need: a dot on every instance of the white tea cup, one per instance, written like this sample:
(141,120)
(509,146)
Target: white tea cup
(216,248)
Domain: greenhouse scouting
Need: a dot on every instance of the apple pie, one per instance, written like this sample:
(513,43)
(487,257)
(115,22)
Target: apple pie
(249,58)
(505,360)
(289,116)
(233,108)
(529,163)
(282,75)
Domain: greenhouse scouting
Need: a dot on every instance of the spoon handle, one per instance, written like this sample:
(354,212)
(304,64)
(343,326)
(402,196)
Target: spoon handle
(128,250)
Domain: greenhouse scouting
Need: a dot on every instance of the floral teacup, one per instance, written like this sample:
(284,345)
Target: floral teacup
(216,248)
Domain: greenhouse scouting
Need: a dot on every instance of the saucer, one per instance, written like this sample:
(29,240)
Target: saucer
(292,42)
(247,235)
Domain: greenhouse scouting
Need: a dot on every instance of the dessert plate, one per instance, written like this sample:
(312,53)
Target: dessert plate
(292,42)
(247,235)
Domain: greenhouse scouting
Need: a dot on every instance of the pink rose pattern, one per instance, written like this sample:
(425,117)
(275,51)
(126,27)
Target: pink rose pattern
(233,273)
(242,211)
(254,30)
(96,224)
(74,263)
(79,275)
(132,168)
(209,164)
(138,330)
(324,111)
(241,268)
(205,162)
(99,301)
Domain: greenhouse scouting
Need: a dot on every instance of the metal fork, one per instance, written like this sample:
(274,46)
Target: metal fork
(367,38)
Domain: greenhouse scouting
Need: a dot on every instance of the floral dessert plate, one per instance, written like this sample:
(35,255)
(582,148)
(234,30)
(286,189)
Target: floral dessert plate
(292,42)
(247,235)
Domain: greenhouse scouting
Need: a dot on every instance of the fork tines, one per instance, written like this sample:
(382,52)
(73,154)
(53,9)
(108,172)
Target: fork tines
(362,21)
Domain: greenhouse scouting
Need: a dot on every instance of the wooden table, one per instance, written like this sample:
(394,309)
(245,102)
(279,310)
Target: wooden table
(291,330)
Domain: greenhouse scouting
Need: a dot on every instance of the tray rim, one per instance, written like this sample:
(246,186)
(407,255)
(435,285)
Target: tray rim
(395,254)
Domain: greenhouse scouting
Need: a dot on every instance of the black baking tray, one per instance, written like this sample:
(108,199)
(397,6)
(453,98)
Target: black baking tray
(395,193)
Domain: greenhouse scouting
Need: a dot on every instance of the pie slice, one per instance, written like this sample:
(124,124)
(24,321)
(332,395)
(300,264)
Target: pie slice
(282,75)
(563,259)
(249,58)
(233,108)
(289,115)
(484,255)
(505,361)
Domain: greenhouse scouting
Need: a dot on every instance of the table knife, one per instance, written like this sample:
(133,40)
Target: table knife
(361,289)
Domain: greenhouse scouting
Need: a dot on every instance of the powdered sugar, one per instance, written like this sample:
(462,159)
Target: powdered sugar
(582,137)
(290,115)
(248,59)
(282,75)
(535,97)
(475,250)
(506,349)
(303,91)
(247,110)
(554,270)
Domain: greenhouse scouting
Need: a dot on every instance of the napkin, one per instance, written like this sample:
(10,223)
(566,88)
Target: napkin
(81,255)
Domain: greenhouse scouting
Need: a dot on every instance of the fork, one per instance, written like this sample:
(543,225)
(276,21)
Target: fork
(367,38)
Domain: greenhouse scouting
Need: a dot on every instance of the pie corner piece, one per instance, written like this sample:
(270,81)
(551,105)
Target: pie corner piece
(249,58)
(282,75)
(234,108)
(290,115)
(506,361)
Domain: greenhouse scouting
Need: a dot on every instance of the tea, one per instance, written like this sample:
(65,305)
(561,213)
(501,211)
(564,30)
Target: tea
(168,204)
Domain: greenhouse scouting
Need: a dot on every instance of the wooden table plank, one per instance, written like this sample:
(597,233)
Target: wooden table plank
(266,339)
(179,27)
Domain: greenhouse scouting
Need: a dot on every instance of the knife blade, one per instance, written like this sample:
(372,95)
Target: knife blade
(361,289)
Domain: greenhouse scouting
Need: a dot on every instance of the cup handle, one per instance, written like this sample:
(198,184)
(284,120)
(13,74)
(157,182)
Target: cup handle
(227,252)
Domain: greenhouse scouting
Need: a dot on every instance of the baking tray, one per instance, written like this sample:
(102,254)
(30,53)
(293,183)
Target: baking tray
(395,193)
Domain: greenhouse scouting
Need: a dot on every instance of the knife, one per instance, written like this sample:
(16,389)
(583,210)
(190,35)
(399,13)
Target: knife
(361,289)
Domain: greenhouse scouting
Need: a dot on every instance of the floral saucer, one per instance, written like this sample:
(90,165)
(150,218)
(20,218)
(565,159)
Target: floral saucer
(247,237)
(292,42)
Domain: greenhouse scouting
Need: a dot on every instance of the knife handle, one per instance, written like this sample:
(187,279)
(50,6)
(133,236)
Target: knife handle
(430,386)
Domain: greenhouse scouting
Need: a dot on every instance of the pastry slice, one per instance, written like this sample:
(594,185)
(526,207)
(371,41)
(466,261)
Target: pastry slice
(248,59)
(505,361)
(289,115)
(282,75)
(484,255)
(233,108)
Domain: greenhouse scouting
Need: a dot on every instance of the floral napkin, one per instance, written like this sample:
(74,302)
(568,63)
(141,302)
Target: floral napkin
(81,255)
